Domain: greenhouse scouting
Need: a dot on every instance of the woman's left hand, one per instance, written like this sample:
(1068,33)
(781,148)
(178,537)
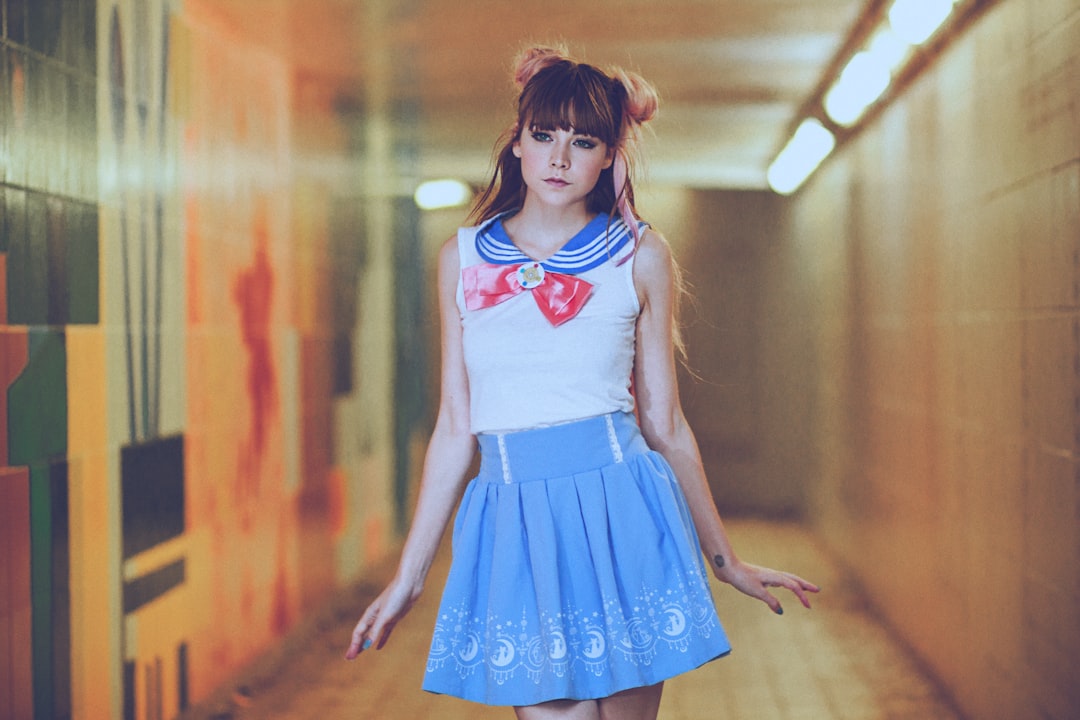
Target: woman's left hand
(755,581)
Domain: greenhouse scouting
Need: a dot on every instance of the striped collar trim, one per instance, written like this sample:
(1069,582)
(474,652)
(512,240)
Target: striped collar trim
(604,238)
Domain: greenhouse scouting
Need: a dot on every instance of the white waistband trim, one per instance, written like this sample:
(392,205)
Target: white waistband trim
(616,449)
(505,457)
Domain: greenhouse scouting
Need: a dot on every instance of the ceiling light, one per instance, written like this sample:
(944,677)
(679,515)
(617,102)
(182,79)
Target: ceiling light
(916,20)
(436,194)
(892,43)
(888,49)
(862,82)
(810,144)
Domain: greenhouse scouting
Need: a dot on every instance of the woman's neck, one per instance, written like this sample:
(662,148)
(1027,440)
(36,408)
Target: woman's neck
(540,230)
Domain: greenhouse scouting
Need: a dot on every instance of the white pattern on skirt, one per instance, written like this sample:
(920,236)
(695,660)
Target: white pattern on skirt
(661,622)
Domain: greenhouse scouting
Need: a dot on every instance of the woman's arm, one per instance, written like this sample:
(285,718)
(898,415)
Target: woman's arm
(449,454)
(666,430)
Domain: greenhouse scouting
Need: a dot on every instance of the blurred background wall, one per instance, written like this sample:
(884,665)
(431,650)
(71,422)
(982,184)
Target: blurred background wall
(210,385)
(219,358)
(939,259)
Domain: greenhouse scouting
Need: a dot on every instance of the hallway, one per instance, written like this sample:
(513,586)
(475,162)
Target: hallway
(219,341)
(835,662)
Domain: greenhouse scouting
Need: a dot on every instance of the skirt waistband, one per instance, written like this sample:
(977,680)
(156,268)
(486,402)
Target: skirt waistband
(559,450)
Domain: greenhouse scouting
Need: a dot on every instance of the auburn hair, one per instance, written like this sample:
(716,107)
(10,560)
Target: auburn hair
(557,93)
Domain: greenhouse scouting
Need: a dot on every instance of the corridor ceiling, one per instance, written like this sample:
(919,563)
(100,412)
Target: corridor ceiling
(731,74)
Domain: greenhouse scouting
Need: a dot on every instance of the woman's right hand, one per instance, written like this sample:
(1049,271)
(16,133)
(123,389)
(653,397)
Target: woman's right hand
(755,581)
(381,616)
(450,453)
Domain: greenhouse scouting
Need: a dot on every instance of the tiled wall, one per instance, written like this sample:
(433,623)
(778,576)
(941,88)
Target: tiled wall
(183,315)
(937,259)
(49,288)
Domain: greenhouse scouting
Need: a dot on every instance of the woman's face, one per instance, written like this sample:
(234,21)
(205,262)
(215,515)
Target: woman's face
(561,167)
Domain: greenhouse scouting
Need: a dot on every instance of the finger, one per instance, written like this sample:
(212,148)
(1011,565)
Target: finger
(795,585)
(801,587)
(384,635)
(356,648)
(359,642)
(805,584)
(771,600)
(798,590)
(361,639)
(355,643)
(380,631)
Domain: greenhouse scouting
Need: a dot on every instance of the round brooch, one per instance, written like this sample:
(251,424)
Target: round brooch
(530,275)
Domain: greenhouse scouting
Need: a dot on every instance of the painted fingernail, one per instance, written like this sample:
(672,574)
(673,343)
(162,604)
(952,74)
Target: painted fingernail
(779,610)
(366,645)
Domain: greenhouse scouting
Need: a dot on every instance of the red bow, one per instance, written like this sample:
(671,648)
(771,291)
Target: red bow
(558,296)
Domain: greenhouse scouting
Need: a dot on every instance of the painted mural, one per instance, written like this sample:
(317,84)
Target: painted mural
(240,324)
(181,320)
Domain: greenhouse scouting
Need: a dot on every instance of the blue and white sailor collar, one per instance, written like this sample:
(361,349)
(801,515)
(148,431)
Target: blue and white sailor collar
(603,238)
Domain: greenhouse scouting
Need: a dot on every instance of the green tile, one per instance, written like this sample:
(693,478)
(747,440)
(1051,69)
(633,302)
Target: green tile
(16,141)
(5,101)
(28,266)
(3,216)
(41,588)
(37,402)
(26,263)
(44,23)
(83,264)
(57,170)
(50,594)
(16,20)
(57,237)
(82,138)
(86,40)
(45,117)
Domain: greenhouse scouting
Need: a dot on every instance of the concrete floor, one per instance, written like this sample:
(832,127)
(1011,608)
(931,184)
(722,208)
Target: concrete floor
(831,662)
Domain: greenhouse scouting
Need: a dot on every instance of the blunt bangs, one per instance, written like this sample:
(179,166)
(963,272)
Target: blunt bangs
(570,96)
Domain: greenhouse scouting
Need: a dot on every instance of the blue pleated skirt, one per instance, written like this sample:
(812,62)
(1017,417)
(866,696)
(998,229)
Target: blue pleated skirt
(576,571)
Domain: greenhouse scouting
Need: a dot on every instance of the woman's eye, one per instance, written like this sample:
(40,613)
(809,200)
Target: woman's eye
(540,136)
(587,144)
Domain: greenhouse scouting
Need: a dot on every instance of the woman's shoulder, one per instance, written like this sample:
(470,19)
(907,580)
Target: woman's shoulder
(449,259)
(652,257)
(464,238)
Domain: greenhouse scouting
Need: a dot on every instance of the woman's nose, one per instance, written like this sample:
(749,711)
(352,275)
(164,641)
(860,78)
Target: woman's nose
(559,158)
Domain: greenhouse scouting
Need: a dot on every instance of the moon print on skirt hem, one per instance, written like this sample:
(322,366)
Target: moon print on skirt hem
(576,571)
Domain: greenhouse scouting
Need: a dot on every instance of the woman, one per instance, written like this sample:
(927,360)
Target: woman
(577,585)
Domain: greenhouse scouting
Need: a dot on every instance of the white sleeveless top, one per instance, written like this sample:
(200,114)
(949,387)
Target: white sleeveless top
(523,371)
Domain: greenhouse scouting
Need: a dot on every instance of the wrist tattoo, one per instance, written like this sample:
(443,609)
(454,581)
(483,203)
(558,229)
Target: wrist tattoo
(719,560)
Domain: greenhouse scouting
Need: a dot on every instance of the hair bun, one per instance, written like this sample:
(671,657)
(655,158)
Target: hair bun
(533,60)
(642,100)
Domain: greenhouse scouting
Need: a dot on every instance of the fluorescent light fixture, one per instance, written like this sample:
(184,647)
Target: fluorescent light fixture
(916,20)
(436,194)
(888,49)
(860,84)
(810,144)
